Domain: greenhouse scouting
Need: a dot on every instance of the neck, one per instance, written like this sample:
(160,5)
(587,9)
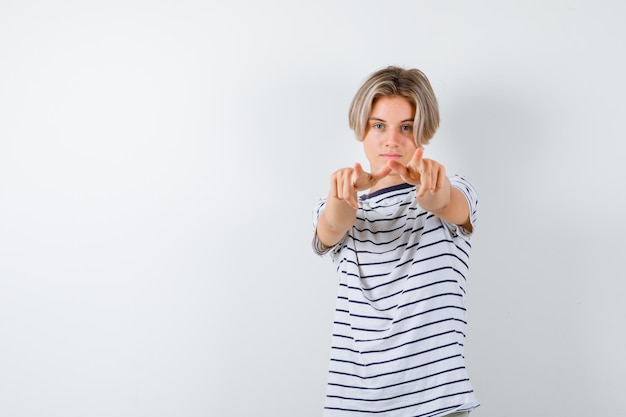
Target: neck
(388,181)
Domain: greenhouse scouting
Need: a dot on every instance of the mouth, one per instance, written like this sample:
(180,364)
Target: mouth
(390,156)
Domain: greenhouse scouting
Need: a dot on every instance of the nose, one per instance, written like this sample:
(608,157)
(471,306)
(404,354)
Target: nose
(392,138)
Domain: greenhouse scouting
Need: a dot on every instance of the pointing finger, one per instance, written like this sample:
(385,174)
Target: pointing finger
(357,176)
(417,156)
(382,172)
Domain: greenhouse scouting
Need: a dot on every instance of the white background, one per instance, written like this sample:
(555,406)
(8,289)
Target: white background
(159,163)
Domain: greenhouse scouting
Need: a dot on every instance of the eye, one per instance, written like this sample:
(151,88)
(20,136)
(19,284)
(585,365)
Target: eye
(377,126)
(407,128)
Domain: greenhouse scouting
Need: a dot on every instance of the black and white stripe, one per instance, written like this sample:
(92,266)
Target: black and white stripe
(400,320)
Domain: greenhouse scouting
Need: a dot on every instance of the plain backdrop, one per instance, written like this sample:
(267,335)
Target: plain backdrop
(159,164)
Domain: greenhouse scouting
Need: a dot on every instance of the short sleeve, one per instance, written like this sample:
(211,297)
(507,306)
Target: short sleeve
(461,183)
(318,247)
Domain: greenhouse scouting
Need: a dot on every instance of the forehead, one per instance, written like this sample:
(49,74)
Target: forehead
(392,108)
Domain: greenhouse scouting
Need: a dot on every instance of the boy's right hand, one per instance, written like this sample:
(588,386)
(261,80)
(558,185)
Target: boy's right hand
(345,182)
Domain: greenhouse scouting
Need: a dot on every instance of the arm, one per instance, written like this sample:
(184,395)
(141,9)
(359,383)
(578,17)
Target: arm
(339,214)
(335,220)
(435,194)
(448,203)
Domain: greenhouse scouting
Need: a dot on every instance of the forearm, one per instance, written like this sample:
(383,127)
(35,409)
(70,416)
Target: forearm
(448,203)
(334,221)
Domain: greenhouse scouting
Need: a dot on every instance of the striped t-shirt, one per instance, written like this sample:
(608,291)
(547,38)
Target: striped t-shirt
(400,318)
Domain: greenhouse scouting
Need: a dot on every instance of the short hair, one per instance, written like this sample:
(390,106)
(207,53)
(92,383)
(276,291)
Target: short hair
(411,84)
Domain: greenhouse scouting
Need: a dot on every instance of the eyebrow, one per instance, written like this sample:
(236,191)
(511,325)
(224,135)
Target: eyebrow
(383,120)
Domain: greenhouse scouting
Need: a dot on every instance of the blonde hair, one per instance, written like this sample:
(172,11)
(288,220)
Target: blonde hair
(411,84)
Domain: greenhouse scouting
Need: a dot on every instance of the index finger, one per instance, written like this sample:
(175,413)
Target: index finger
(358,174)
(381,173)
(416,159)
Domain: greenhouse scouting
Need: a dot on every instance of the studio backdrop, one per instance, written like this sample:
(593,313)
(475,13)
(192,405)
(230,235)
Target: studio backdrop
(160,161)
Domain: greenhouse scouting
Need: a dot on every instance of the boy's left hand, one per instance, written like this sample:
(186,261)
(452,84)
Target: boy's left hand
(426,174)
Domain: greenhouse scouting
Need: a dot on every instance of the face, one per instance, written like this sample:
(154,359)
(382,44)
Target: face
(390,132)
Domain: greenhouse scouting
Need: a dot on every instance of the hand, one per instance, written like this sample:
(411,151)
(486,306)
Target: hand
(345,183)
(428,175)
